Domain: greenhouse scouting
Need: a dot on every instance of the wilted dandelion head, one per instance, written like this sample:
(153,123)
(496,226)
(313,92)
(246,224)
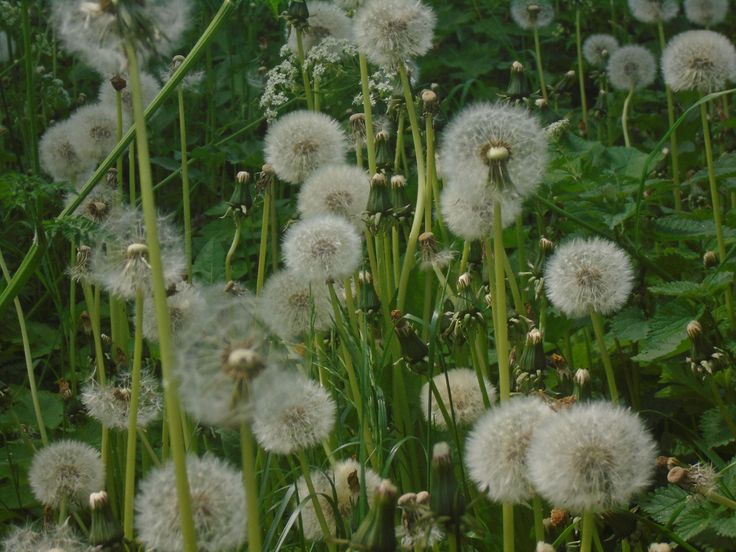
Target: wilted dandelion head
(706,13)
(93,131)
(220,353)
(338,488)
(290,412)
(186,301)
(631,67)
(699,60)
(391,32)
(588,274)
(598,48)
(335,190)
(60,157)
(654,11)
(120,261)
(292,306)
(325,19)
(532,14)
(463,397)
(591,457)
(218,506)
(149,88)
(496,448)
(300,142)
(322,247)
(468,209)
(66,471)
(497,145)
(109,403)
(420,527)
(55,538)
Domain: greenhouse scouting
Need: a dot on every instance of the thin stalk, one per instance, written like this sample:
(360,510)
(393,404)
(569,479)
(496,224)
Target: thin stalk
(538,518)
(416,224)
(305,76)
(264,238)
(250,482)
(118,137)
(501,330)
(315,501)
(586,539)
(428,134)
(274,231)
(625,117)
(370,137)
(73,322)
(233,248)
(185,183)
(515,293)
(507,513)
(722,500)
(163,320)
(540,68)
(581,74)
(29,71)
(149,449)
(135,392)
(597,320)
(131,174)
(673,135)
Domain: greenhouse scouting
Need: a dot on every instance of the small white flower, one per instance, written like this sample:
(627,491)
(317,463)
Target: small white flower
(706,13)
(699,60)
(598,48)
(463,397)
(654,11)
(335,190)
(530,14)
(631,67)
(591,457)
(109,404)
(325,20)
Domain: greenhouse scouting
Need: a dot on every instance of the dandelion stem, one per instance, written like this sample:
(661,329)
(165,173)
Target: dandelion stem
(185,183)
(233,248)
(118,137)
(428,135)
(581,73)
(722,500)
(507,513)
(315,500)
(501,329)
(625,117)
(163,320)
(302,67)
(73,321)
(370,137)
(262,249)
(673,135)
(540,67)
(29,70)
(586,539)
(600,338)
(538,518)
(251,487)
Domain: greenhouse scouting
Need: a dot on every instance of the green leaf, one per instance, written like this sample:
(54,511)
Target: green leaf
(209,265)
(679,227)
(682,288)
(714,429)
(629,325)
(726,527)
(667,331)
(665,504)
(695,519)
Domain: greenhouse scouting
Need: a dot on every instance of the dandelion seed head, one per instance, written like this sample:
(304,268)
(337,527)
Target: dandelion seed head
(585,274)
(699,60)
(217,500)
(531,14)
(349,5)
(335,190)
(467,209)
(706,13)
(185,303)
(597,48)
(631,67)
(496,448)
(654,11)
(591,457)
(325,20)
(93,131)
(463,397)
(390,32)
(59,155)
(109,403)
(66,471)
(150,86)
(56,538)
(290,412)
(300,142)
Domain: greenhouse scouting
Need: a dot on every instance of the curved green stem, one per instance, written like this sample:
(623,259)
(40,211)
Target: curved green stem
(185,184)
(540,67)
(233,248)
(722,500)
(581,74)
(625,117)
(250,482)
(600,338)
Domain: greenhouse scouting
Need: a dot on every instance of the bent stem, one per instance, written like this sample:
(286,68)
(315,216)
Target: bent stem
(315,500)
(185,184)
(597,320)
(581,75)
(251,486)
(586,538)
(540,68)
(625,117)
(233,248)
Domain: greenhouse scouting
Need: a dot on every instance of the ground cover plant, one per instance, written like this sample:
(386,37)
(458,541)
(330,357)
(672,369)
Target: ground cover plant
(367,275)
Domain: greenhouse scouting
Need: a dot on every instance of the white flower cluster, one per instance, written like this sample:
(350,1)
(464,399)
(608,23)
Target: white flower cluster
(382,85)
(281,84)
(329,53)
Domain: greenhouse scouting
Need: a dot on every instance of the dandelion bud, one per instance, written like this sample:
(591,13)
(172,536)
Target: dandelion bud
(710,259)
(376,532)
(694,329)
(413,349)
(357,125)
(105,529)
(546,245)
(582,377)
(532,359)
(298,13)
(677,475)
(430,103)
(544,547)
(446,498)
(659,547)
(463,281)
(118,82)
(243,177)
(518,87)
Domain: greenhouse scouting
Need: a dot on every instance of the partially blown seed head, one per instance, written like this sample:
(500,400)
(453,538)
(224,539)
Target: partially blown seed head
(706,13)
(631,67)
(654,11)
(93,131)
(532,14)
(335,190)
(109,404)
(325,19)
(463,397)
(598,48)
(56,538)
(699,60)
(187,302)
(59,155)
(467,209)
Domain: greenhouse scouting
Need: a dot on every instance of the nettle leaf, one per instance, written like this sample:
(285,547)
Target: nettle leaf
(208,266)
(726,527)
(695,519)
(667,333)
(682,288)
(626,162)
(714,430)
(665,504)
(679,227)
(629,325)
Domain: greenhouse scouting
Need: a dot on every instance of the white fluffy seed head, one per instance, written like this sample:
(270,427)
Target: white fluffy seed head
(55,538)
(66,471)
(322,247)
(300,142)
(150,86)
(496,448)
(93,131)
(338,488)
(585,274)
(699,60)
(463,397)
(187,302)
(325,19)
(598,48)
(591,457)
(467,209)
(531,14)
(631,67)
(59,155)
(109,404)
(654,11)
(292,306)
(482,127)
(706,13)
(391,32)
(290,412)
(335,190)
(217,500)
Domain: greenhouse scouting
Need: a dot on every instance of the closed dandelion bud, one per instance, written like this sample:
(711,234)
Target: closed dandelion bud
(463,281)
(430,102)
(384,154)
(105,529)
(710,259)
(445,497)
(240,200)
(532,359)
(546,245)
(357,126)
(659,547)
(413,349)
(518,86)
(297,13)
(243,177)
(376,532)
(544,547)
(399,203)
(368,301)
(379,197)
(582,377)
(461,396)
(118,82)
(694,330)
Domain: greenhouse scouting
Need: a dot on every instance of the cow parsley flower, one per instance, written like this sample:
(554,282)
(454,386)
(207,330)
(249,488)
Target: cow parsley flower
(59,155)
(281,84)
(391,32)
(217,500)
(631,67)
(290,412)
(338,488)
(699,60)
(55,538)
(300,142)
(588,274)
(66,471)
(532,14)
(468,210)
(654,11)
(706,13)
(496,448)
(93,131)
(335,190)
(597,48)
(591,457)
(325,20)
(322,247)
(292,306)
(462,397)
(109,404)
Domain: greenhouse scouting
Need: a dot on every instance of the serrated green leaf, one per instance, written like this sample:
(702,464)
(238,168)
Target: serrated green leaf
(695,519)
(665,504)
(679,227)
(726,527)
(710,285)
(667,331)
(629,325)
(714,430)
(209,265)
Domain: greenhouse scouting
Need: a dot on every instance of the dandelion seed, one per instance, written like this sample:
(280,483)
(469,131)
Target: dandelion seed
(654,11)
(300,142)
(496,448)
(598,48)
(631,67)
(109,404)
(349,5)
(391,32)
(60,158)
(462,396)
(66,471)
(322,247)
(588,274)
(217,501)
(699,60)
(56,538)
(335,190)
(468,210)
(591,457)
(290,412)
(325,20)
(532,14)
(706,13)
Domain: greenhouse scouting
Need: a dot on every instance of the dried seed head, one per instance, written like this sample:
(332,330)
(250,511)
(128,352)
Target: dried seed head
(706,13)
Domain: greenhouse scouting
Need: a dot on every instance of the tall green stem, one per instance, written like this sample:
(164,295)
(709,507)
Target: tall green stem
(263,246)
(185,184)
(118,137)
(29,70)
(315,501)
(600,338)
(370,137)
(501,329)
(581,74)
(625,117)
(302,67)
(507,512)
(540,67)
(251,487)
(163,320)
(587,532)
(538,518)
(673,134)
(233,248)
